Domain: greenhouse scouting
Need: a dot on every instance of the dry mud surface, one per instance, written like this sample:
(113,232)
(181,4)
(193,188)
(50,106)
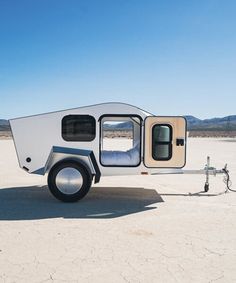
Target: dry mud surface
(128,229)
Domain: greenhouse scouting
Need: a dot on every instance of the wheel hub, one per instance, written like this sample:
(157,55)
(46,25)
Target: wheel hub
(69,181)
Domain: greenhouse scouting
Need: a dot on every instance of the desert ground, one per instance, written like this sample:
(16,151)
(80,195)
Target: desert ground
(128,229)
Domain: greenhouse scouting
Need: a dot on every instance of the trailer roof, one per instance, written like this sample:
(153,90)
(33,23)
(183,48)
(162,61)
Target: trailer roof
(108,105)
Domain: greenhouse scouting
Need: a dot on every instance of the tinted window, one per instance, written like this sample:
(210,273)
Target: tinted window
(162,142)
(78,128)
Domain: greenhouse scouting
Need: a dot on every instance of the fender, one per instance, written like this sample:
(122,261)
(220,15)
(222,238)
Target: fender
(85,157)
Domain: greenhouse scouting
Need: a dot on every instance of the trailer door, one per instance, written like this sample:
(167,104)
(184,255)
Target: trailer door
(165,142)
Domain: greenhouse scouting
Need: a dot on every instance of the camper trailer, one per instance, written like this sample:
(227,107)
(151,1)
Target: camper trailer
(76,147)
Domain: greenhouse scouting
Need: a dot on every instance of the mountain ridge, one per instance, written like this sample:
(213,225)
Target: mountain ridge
(226,123)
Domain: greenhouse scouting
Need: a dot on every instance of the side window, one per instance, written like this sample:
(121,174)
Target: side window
(120,141)
(78,128)
(162,142)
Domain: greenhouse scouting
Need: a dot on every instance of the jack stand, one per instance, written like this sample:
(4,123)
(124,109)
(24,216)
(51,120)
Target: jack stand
(212,171)
(207,167)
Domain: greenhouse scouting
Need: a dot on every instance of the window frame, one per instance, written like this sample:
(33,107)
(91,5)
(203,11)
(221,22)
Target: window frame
(79,140)
(169,143)
(100,137)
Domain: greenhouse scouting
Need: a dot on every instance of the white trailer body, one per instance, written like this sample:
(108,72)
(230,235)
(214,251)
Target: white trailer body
(83,135)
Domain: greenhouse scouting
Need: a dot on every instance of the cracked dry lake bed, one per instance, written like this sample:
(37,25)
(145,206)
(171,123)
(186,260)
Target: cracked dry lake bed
(128,229)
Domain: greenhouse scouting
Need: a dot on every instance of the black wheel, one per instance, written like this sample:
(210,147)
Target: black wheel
(206,187)
(69,181)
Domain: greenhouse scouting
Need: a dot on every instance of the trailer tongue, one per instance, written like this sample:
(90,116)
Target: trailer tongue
(207,171)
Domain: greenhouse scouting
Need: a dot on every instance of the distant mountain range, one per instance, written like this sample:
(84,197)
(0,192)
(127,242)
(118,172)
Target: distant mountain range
(227,123)
(4,125)
(193,124)
(125,126)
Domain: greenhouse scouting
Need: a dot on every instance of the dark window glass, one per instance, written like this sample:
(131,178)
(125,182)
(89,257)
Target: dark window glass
(78,128)
(162,142)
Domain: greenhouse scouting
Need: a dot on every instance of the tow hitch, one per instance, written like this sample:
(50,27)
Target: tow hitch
(207,171)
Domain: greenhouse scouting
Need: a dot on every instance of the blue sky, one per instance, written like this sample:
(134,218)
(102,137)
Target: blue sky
(168,57)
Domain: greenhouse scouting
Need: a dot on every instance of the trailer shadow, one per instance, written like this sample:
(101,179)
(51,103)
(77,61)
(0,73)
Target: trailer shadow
(32,203)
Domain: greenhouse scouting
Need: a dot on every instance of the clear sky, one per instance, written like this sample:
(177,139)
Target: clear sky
(168,57)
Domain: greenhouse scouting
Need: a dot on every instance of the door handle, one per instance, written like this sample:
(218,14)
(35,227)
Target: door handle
(180,142)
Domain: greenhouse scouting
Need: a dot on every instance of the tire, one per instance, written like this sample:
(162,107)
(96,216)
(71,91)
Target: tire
(69,181)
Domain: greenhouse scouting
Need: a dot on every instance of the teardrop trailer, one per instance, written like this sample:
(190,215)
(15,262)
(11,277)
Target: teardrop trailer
(77,146)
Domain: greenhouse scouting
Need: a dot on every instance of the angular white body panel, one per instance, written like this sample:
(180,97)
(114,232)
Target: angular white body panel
(34,136)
